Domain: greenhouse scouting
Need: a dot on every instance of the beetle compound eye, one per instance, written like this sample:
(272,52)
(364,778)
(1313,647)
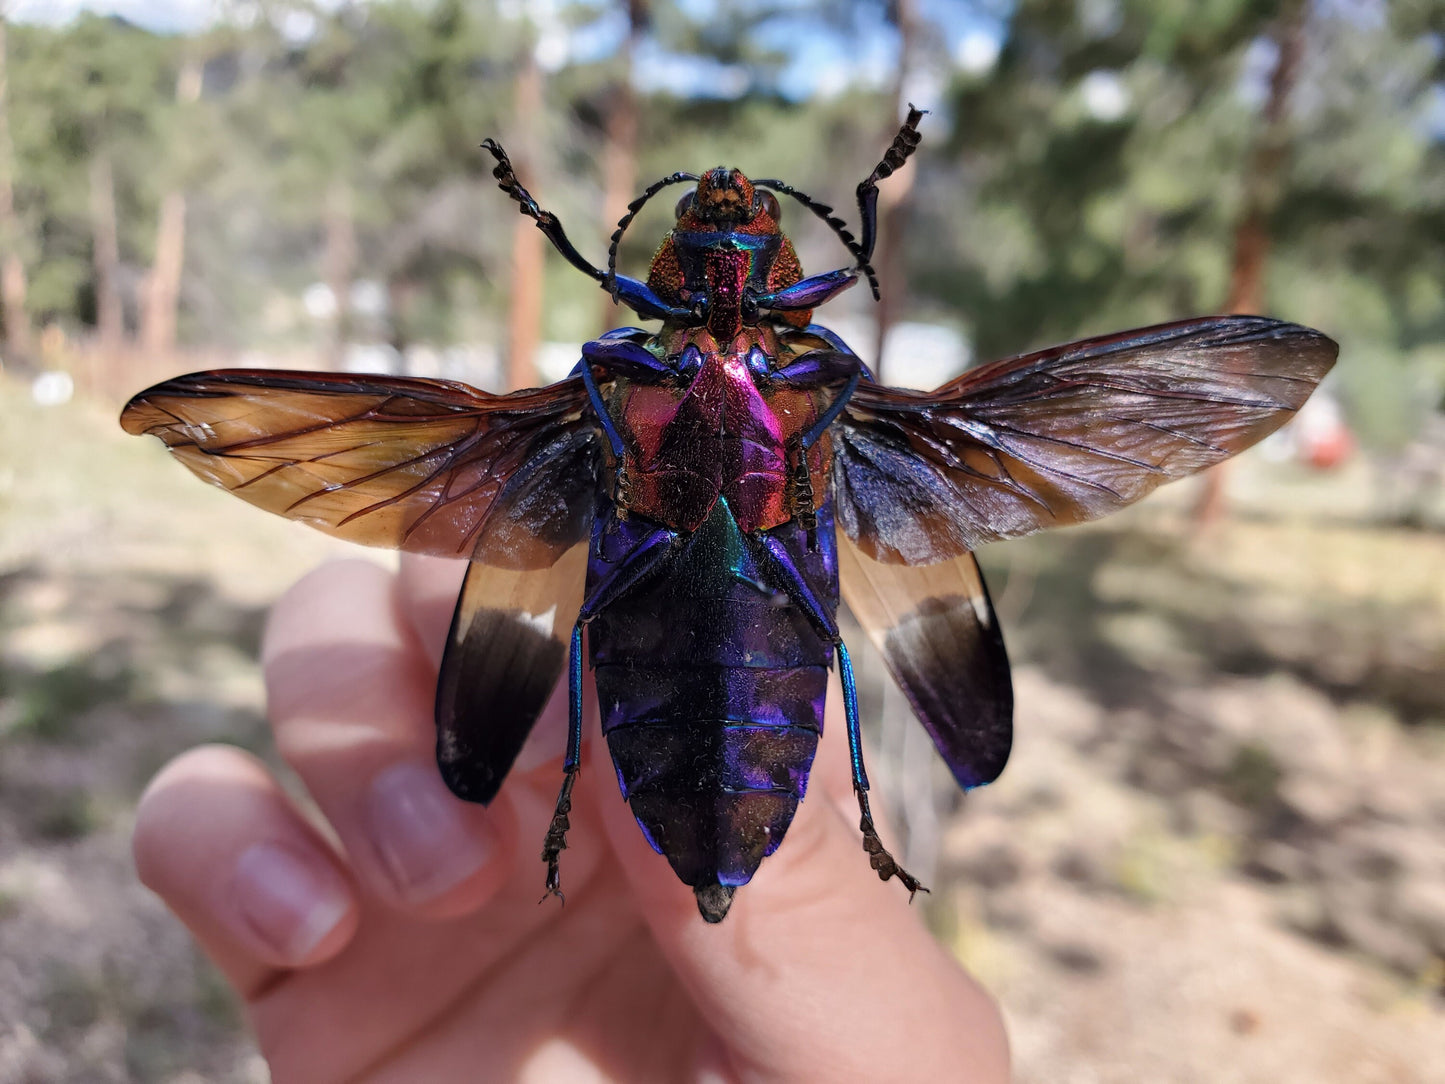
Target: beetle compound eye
(769,203)
(684,203)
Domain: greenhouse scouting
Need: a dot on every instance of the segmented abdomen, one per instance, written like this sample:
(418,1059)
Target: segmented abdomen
(711,686)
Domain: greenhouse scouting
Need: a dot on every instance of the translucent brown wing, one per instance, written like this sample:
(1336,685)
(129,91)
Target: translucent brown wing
(409,464)
(935,627)
(430,467)
(1062,435)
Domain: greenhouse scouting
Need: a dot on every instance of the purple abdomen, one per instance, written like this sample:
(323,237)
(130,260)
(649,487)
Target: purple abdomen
(711,686)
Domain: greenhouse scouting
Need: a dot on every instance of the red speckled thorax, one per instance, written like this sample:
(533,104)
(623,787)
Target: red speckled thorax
(727,240)
(726,270)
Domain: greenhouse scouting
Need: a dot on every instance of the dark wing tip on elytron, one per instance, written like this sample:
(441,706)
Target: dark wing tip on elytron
(713,901)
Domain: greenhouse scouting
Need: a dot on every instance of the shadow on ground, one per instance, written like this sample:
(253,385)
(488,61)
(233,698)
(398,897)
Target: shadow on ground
(102,680)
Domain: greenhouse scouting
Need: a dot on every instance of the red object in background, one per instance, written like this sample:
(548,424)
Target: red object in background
(1328,450)
(1321,436)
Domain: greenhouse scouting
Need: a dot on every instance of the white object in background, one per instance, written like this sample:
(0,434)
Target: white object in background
(1106,98)
(368,297)
(318,301)
(556,360)
(477,364)
(52,388)
(372,358)
(978,52)
(923,356)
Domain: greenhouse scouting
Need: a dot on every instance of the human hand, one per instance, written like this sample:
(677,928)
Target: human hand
(406,943)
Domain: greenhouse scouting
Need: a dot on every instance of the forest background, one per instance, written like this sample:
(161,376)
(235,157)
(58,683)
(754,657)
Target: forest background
(293,177)
(1219,853)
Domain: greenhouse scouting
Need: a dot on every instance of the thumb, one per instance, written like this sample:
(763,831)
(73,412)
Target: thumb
(819,971)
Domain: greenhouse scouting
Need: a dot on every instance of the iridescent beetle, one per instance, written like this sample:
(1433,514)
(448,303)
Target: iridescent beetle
(679,497)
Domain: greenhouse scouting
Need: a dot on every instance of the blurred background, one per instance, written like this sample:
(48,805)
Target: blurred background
(1219,851)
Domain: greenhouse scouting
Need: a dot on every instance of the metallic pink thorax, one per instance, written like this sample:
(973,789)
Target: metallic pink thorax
(720,439)
(726,270)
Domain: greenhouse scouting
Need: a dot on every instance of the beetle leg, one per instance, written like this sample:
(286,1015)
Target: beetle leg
(777,558)
(618,357)
(628,291)
(882,862)
(633,568)
(599,407)
(556,841)
(899,151)
(626,574)
(774,555)
(800,494)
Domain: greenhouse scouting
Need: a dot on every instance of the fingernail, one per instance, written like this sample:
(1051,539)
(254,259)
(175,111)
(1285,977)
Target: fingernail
(285,900)
(420,835)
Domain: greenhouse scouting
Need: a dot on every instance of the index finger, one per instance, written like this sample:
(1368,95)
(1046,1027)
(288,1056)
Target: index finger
(349,692)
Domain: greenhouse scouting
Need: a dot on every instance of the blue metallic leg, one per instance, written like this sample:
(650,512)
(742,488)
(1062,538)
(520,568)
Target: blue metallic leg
(830,415)
(620,579)
(556,841)
(627,573)
(772,554)
(599,408)
(878,857)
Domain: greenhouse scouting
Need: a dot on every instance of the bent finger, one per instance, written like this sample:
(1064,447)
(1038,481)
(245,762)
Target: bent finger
(427,588)
(350,691)
(226,850)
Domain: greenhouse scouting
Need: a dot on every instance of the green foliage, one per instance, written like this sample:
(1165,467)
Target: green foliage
(51,703)
(95,86)
(1038,214)
(1253,776)
(1051,220)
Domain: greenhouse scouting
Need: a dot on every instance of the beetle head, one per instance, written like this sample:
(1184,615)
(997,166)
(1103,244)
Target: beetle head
(722,250)
(725,199)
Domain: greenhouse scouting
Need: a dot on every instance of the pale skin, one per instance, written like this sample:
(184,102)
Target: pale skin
(402,940)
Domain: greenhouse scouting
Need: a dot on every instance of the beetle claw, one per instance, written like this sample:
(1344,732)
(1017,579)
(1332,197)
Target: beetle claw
(554,887)
(883,863)
(556,840)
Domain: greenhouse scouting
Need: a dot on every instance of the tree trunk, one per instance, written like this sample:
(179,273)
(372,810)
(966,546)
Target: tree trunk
(12,268)
(400,297)
(1262,172)
(524,317)
(893,194)
(163,284)
(340,266)
(109,315)
(619,157)
(1261,184)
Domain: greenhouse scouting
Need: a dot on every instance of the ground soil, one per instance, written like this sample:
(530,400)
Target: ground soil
(1218,853)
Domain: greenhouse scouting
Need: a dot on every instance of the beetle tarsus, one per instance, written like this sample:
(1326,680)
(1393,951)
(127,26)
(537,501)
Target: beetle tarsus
(883,863)
(900,150)
(556,840)
(800,492)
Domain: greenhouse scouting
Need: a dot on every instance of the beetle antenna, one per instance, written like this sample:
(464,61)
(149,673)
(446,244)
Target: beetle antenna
(626,220)
(825,212)
(899,151)
(547,222)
